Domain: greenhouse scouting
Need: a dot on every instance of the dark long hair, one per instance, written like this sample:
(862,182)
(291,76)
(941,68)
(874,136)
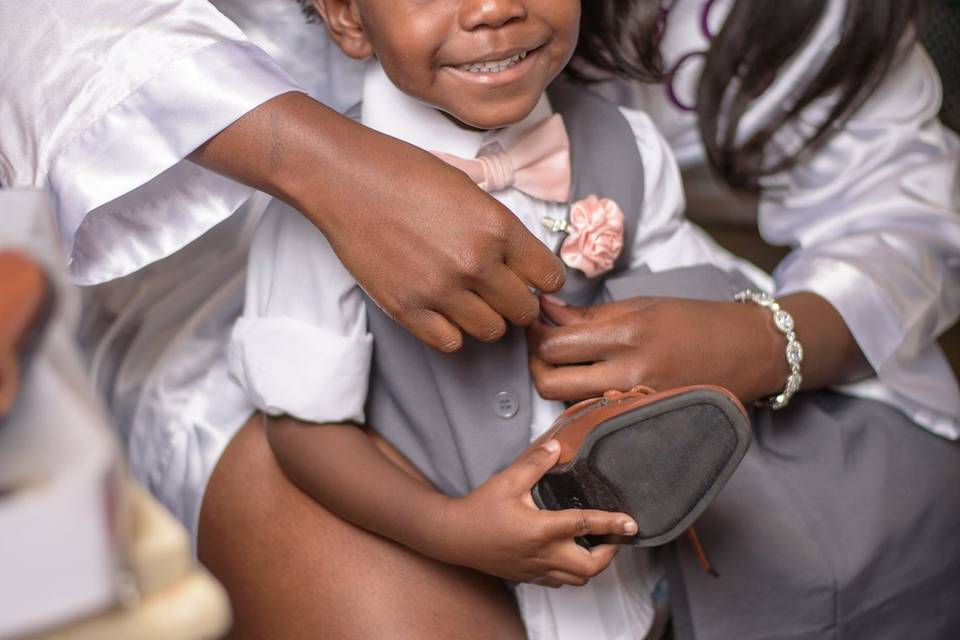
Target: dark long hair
(620,38)
(758,38)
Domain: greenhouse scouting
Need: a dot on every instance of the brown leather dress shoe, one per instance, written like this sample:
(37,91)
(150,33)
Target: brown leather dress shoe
(660,457)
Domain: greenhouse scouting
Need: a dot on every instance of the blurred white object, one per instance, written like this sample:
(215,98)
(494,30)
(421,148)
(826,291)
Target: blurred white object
(83,553)
(59,473)
(174,598)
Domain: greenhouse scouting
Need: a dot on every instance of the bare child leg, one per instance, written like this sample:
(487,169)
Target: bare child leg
(294,570)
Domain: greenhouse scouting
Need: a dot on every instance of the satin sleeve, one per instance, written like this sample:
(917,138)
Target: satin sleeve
(873,217)
(102,107)
(302,346)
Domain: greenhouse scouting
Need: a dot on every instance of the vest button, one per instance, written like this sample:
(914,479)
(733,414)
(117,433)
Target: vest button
(505,405)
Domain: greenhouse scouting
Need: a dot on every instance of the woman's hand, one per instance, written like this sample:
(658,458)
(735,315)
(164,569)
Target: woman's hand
(657,342)
(498,529)
(437,254)
(674,342)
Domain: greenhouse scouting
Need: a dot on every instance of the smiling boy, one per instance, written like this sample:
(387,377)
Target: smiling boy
(467,80)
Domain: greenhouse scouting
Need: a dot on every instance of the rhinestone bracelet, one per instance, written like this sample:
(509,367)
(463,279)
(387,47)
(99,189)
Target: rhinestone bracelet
(784,323)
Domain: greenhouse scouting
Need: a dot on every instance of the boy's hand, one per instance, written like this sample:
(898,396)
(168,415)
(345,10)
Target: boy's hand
(499,530)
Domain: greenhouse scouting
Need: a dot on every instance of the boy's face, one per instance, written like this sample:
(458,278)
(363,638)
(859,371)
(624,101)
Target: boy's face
(484,62)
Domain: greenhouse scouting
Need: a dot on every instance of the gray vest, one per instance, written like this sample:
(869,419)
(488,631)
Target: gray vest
(462,417)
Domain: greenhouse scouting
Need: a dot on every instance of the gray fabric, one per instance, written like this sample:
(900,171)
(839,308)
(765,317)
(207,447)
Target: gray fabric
(441,410)
(842,521)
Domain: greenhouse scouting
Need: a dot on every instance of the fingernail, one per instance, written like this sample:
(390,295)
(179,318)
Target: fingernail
(552,446)
(553,300)
(629,527)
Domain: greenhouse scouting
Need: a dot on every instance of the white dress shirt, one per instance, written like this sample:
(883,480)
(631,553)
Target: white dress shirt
(302,347)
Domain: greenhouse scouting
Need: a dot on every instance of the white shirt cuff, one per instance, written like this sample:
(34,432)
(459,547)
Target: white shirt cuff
(294,368)
(921,382)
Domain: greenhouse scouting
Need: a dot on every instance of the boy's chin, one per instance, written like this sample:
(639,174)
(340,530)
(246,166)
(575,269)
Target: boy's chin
(489,118)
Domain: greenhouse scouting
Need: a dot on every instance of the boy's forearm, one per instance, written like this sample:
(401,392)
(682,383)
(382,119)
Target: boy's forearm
(340,467)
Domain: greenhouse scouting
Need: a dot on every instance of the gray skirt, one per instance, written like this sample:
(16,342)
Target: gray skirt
(843,521)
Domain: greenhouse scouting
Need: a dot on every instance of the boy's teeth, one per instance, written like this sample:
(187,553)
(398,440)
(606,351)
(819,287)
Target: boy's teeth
(494,66)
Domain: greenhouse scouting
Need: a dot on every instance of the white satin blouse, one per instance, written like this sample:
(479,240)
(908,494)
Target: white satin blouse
(101,108)
(107,99)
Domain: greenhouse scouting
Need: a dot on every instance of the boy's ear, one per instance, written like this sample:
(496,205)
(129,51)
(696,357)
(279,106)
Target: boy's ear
(342,19)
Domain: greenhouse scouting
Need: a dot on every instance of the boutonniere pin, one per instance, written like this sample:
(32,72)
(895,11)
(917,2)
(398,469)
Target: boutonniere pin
(594,235)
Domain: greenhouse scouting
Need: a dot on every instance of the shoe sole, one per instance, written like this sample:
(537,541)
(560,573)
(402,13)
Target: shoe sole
(662,464)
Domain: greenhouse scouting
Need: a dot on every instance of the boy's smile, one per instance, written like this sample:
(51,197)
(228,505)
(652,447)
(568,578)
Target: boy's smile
(484,62)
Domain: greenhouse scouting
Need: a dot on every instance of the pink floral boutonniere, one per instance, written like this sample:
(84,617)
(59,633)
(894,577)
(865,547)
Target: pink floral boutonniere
(595,235)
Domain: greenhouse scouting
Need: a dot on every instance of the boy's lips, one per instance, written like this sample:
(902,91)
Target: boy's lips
(506,68)
(495,65)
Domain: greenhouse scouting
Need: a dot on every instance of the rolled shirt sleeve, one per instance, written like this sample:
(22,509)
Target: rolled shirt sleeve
(105,103)
(302,346)
(874,219)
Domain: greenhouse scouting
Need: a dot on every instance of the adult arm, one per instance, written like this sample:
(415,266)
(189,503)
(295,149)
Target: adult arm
(873,217)
(874,275)
(671,342)
(109,99)
(395,216)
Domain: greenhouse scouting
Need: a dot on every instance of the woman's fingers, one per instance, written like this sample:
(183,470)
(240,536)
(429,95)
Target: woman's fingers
(571,383)
(563,314)
(581,343)
(476,317)
(432,329)
(531,260)
(509,295)
(560,313)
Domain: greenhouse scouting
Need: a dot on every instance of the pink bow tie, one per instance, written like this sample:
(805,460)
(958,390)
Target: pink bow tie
(537,164)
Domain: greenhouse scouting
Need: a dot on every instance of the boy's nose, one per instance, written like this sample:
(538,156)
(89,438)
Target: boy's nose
(476,14)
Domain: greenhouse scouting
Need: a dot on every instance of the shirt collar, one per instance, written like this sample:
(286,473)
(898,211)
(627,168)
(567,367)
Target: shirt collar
(388,110)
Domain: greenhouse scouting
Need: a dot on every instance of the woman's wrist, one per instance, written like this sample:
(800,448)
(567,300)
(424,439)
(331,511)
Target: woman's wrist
(831,354)
(769,365)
